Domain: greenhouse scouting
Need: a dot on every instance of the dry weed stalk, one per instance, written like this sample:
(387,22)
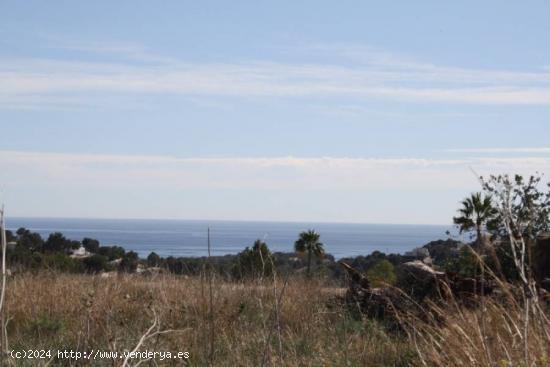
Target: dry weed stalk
(153,331)
(3,319)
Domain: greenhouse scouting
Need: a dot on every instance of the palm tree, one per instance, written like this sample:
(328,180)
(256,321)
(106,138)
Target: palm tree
(476,211)
(309,242)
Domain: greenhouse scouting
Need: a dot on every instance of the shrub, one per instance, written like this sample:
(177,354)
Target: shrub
(465,264)
(62,262)
(111,252)
(254,262)
(56,242)
(153,259)
(29,240)
(129,262)
(91,245)
(96,263)
(383,272)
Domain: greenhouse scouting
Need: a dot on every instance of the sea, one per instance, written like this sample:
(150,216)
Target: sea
(189,238)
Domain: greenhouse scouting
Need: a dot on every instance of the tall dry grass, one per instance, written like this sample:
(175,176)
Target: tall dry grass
(498,332)
(255,323)
(508,328)
(260,323)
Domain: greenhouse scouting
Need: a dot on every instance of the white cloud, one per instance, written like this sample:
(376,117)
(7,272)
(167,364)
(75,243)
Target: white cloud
(405,190)
(501,150)
(28,81)
(30,168)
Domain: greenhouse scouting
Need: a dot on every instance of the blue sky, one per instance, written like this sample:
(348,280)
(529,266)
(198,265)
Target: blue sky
(301,111)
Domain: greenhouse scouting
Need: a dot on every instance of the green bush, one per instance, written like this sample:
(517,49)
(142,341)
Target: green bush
(96,263)
(382,273)
(254,262)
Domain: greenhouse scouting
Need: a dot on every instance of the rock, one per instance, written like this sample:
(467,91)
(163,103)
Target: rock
(419,286)
(428,261)
(388,303)
(419,280)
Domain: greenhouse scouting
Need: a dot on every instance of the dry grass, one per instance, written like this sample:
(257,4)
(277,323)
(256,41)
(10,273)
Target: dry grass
(308,328)
(500,331)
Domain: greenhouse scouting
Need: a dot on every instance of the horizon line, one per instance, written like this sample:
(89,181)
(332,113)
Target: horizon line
(229,220)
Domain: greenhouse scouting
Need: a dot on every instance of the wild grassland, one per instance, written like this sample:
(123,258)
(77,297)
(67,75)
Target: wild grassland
(252,324)
(248,326)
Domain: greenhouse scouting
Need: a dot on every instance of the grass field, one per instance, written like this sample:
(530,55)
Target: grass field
(302,323)
(247,325)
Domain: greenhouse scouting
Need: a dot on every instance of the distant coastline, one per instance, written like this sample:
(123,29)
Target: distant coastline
(187,238)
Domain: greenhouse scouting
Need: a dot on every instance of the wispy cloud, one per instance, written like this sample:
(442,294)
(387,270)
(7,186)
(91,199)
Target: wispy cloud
(501,150)
(270,188)
(377,76)
(256,173)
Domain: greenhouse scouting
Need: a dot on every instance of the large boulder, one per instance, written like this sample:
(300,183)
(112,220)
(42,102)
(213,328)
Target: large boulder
(419,280)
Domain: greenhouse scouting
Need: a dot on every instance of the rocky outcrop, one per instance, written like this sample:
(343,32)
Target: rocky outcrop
(377,303)
(419,280)
(419,286)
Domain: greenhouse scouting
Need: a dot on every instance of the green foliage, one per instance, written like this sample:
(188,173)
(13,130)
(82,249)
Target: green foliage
(21,256)
(96,263)
(61,262)
(24,258)
(46,326)
(29,240)
(465,264)
(308,242)
(442,251)
(529,206)
(91,245)
(382,273)
(153,259)
(111,252)
(256,262)
(476,212)
(56,242)
(129,262)
(180,265)
(364,263)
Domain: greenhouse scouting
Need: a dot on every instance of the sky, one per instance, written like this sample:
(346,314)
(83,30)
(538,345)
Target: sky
(315,111)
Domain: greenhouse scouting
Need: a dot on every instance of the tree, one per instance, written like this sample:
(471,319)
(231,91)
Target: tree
(254,262)
(476,212)
(153,259)
(29,240)
(129,262)
(56,242)
(523,214)
(308,241)
(91,245)
(522,204)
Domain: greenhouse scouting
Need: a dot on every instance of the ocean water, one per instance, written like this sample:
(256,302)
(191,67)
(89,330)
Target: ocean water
(189,237)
